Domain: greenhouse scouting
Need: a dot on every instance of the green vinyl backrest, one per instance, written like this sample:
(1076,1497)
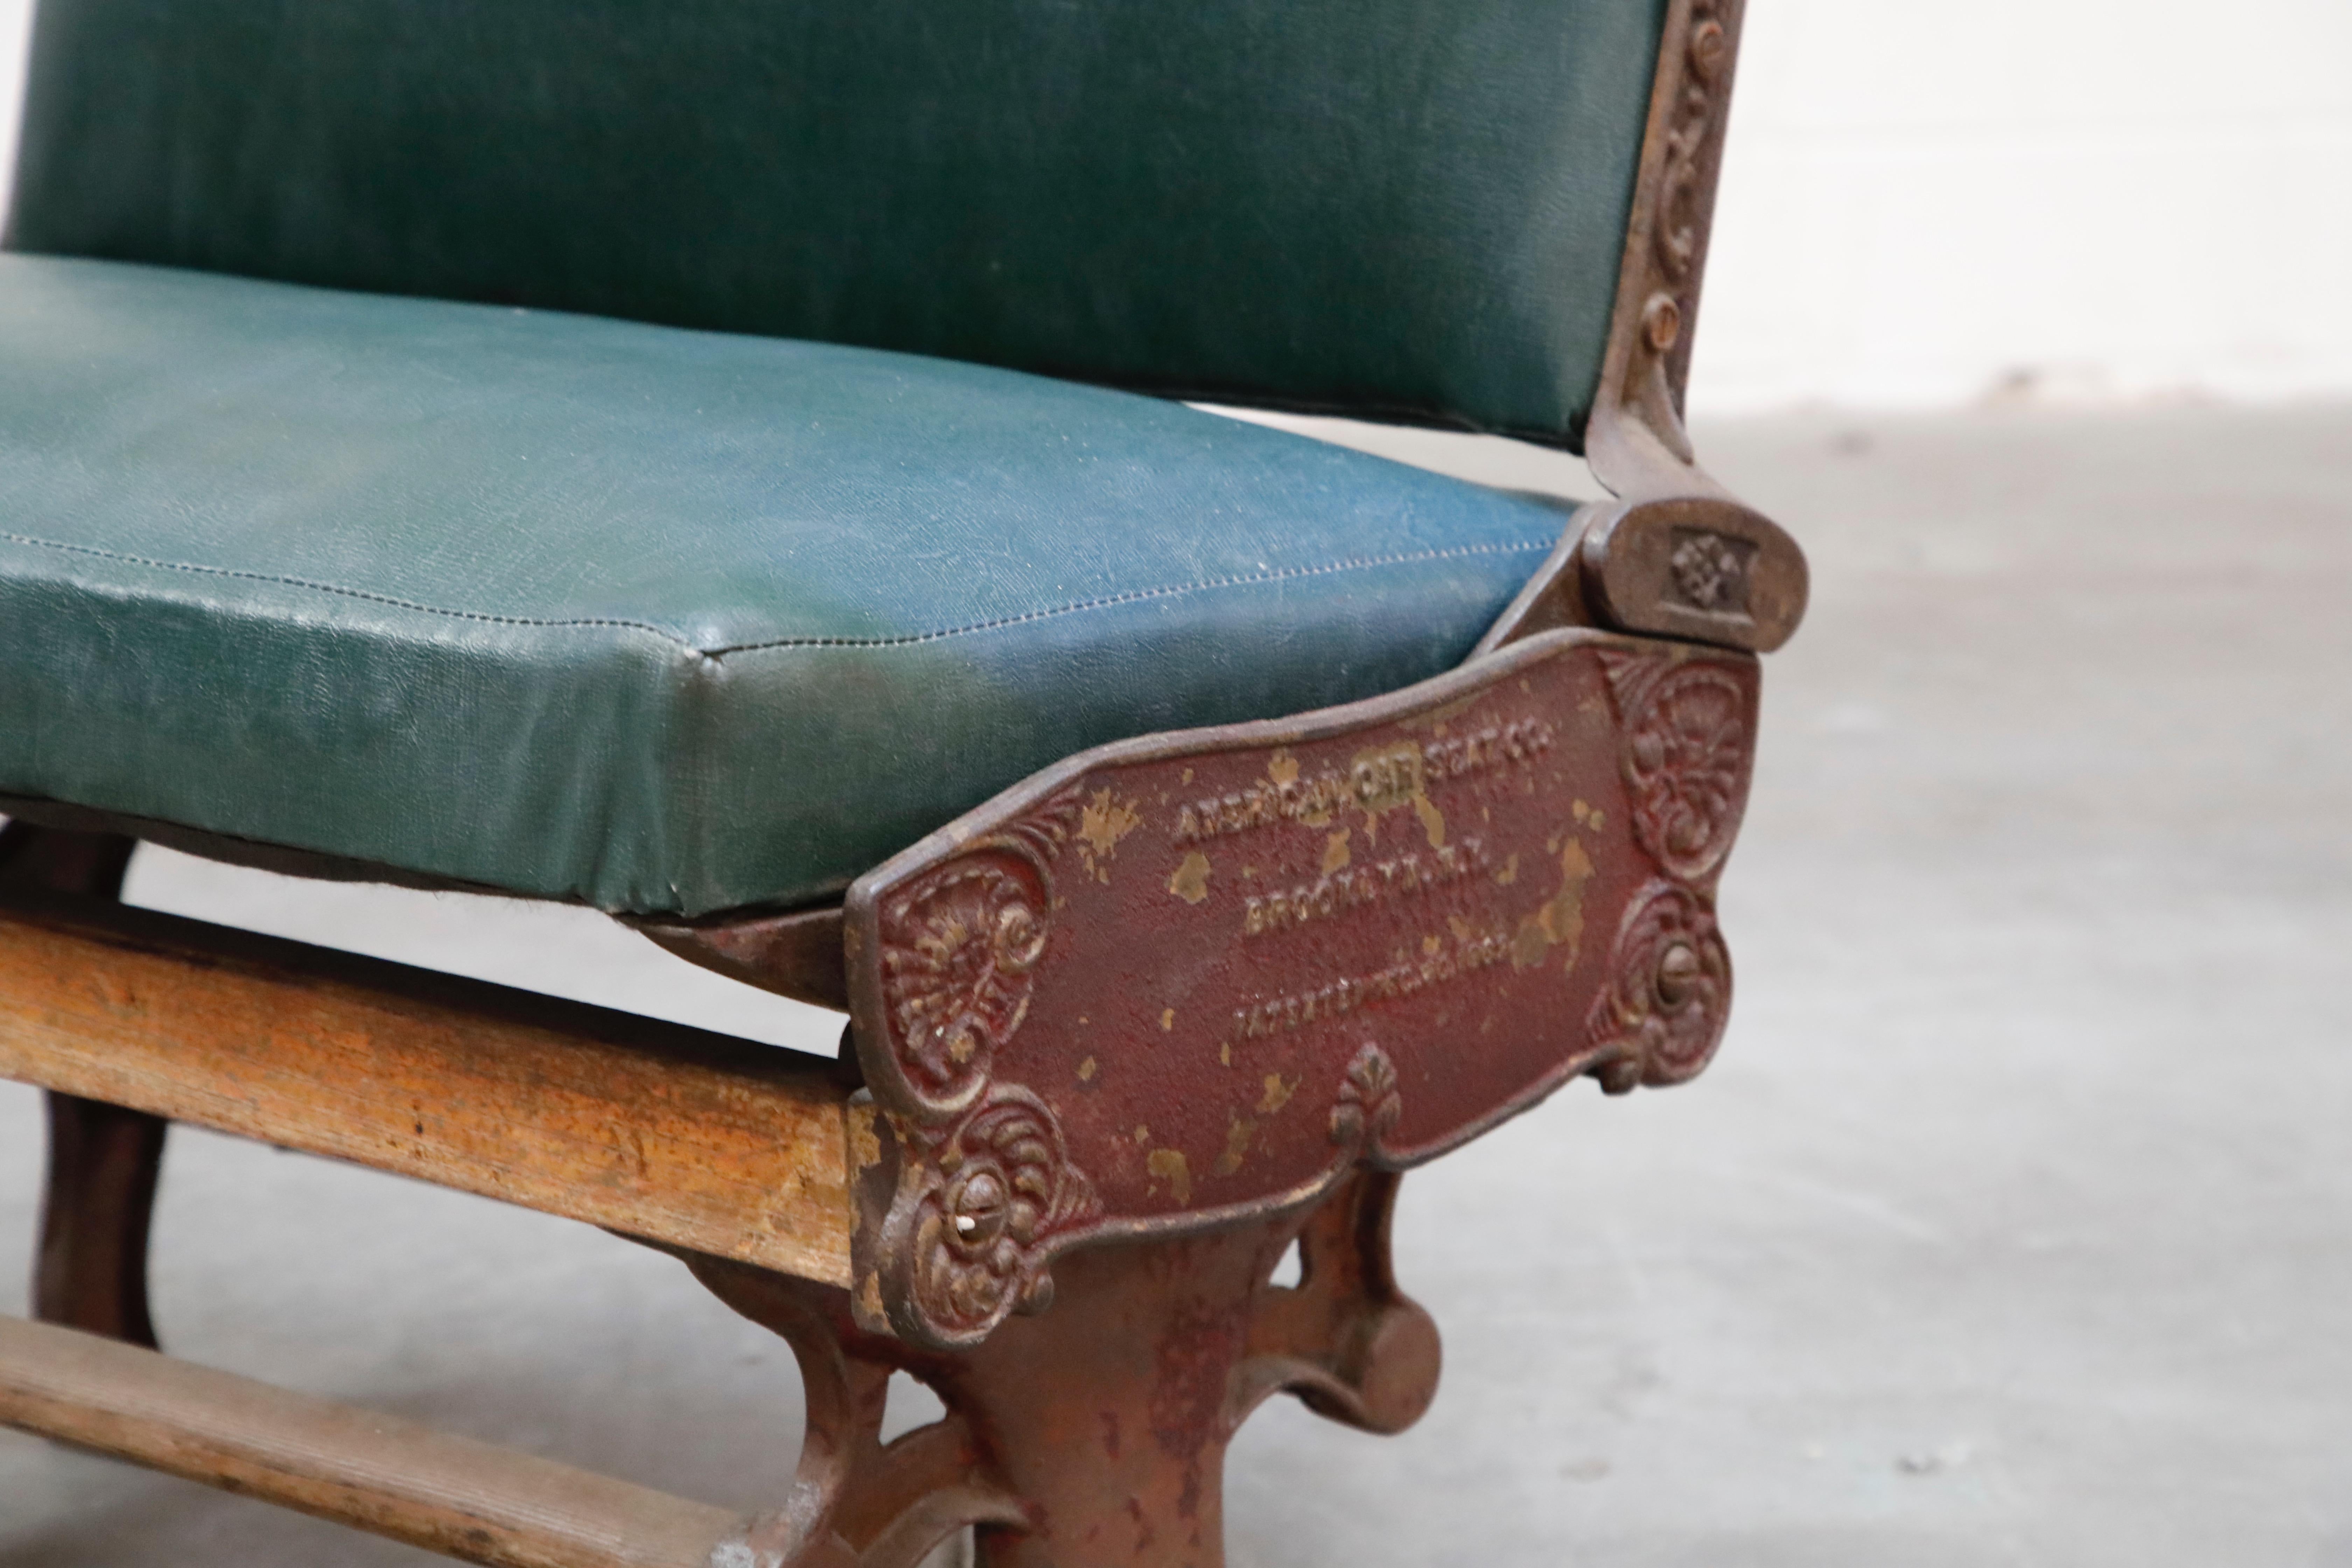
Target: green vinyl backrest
(1409,209)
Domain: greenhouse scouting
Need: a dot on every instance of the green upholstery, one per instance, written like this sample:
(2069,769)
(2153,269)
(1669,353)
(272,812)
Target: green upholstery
(656,619)
(1406,208)
(701,599)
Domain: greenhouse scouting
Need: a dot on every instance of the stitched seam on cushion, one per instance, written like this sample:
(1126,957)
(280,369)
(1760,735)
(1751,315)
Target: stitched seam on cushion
(334,588)
(1138,596)
(1135,596)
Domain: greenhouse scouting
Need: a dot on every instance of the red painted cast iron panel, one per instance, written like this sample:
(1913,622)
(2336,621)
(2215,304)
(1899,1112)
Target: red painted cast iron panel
(1199,975)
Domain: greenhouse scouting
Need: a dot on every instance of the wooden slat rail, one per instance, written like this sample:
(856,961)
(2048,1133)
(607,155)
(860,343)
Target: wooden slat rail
(693,1140)
(451,1495)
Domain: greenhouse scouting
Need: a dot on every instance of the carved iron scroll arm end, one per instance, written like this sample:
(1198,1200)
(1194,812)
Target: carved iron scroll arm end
(1675,555)
(1698,566)
(1351,1345)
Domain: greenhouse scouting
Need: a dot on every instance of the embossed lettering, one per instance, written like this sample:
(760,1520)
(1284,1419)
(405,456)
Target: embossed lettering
(1407,978)
(1357,886)
(1387,777)
(1375,781)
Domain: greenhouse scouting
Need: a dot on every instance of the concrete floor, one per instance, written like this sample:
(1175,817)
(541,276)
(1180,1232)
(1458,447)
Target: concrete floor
(2013,1226)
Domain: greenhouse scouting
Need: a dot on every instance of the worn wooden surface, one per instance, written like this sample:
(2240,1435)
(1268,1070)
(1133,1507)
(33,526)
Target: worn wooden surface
(450,1495)
(650,1128)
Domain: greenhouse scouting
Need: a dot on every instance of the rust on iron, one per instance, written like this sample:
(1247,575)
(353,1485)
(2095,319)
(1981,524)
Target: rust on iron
(1095,1434)
(1359,936)
(1676,554)
(795,955)
(1634,437)
(1698,566)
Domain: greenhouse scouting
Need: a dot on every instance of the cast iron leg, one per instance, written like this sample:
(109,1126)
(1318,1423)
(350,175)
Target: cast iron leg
(1093,1434)
(90,1271)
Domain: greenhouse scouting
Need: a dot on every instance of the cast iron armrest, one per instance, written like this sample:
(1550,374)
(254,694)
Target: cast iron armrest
(1675,553)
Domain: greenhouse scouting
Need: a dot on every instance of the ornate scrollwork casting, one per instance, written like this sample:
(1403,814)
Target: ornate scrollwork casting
(993,1199)
(1167,1348)
(958,948)
(1709,571)
(1685,764)
(1669,990)
(1658,293)
(1685,758)
(1681,220)
(987,1187)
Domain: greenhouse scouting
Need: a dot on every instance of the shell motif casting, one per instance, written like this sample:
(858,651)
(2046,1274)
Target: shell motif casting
(984,1229)
(1369,1102)
(1669,990)
(1686,766)
(958,950)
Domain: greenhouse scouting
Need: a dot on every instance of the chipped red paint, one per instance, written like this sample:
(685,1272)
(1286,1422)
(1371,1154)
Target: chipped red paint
(1185,980)
(1096,1434)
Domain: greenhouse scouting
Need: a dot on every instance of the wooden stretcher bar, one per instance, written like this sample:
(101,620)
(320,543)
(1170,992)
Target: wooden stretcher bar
(450,1495)
(674,1135)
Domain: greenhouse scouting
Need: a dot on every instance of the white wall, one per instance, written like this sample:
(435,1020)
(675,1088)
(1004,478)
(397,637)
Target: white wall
(2108,199)
(1928,203)
(15,25)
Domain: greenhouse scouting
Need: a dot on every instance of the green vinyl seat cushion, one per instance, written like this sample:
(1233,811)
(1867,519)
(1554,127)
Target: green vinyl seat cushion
(658,620)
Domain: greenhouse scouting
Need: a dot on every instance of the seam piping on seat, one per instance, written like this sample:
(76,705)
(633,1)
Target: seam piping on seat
(305,583)
(1134,595)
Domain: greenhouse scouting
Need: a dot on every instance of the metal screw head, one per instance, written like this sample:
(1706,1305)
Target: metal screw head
(977,1208)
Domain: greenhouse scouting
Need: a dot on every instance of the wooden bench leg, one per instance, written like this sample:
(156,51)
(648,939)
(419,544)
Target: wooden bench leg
(90,1273)
(1093,1434)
